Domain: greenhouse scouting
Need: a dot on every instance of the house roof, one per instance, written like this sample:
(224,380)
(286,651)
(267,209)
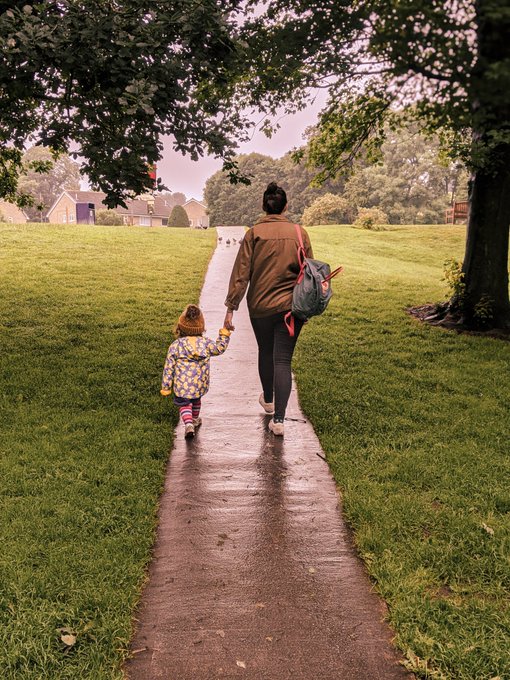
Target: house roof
(79,197)
(12,209)
(86,196)
(194,200)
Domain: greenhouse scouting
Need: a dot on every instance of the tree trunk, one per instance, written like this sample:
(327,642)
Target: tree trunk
(485,266)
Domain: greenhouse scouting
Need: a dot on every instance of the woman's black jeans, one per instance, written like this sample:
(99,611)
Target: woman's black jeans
(276,348)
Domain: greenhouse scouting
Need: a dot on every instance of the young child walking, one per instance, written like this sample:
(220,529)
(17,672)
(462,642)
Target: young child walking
(186,371)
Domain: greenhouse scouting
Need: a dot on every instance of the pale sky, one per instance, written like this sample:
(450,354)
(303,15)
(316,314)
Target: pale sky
(180,173)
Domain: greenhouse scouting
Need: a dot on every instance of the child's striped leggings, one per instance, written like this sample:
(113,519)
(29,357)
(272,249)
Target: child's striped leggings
(190,411)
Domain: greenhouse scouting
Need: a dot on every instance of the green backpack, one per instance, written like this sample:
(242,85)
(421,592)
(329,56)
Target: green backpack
(312,290)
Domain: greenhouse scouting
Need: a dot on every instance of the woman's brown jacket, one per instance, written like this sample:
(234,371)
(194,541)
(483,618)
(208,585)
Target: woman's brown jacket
(267,260)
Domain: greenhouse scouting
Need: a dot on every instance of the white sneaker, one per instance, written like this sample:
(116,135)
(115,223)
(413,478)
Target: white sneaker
(197,422)
(189,431)
(276,428)
(267,406)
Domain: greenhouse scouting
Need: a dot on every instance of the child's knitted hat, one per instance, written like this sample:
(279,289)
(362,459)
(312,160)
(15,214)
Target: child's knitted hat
(191,321)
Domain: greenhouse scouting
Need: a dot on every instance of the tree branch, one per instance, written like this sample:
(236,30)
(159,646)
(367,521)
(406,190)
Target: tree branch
(417,68)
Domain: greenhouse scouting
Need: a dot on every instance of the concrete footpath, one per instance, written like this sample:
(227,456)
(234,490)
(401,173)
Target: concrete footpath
(254,575)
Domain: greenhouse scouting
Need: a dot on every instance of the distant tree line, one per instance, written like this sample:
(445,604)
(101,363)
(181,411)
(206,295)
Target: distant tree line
(412,184)
(238,204)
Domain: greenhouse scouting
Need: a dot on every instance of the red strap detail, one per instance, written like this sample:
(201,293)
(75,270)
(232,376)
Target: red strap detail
(289,322)
(301,254)
(334,273)
(300,237)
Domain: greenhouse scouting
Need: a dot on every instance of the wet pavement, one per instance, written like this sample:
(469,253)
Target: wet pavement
(254,574)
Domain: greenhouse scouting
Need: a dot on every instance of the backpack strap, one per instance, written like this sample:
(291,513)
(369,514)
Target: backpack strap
(289,319)
(301,254)
(299,236)
(289,322)
(334,273)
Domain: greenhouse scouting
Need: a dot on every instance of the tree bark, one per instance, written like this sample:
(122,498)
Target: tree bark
(486,260)
(485,265)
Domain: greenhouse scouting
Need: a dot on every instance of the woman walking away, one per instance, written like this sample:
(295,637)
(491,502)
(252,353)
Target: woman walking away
(268,262)
(186,369)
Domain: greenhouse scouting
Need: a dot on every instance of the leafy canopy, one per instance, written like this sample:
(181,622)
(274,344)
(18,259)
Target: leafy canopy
(443,64)
(175,198)
(110,78)
(378,59)
(113,77)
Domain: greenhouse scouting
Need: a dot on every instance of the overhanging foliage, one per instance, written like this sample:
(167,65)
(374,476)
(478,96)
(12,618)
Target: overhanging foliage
(110,79)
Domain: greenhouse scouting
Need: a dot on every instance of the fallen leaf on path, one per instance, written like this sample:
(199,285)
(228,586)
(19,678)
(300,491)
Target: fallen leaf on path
(221,633)
(241,664)
(260,605)
(269,638)
(312,570)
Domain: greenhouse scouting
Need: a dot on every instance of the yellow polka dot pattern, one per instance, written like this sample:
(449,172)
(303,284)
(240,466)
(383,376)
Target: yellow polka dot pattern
(186,370)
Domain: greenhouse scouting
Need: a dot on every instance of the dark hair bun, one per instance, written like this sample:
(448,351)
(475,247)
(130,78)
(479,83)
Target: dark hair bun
(193,312)
(274,200)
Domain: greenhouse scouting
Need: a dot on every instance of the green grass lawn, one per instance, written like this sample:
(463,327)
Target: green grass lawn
(86,316)
(415,423)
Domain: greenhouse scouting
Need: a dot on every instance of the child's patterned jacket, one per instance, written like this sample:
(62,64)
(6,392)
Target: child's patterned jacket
(186,369)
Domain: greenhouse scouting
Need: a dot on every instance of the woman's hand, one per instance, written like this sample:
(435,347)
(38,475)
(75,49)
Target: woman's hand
(228,321)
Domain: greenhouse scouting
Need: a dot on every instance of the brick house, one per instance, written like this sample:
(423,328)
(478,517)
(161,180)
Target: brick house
(11,213)
(197,214)
(79,207)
